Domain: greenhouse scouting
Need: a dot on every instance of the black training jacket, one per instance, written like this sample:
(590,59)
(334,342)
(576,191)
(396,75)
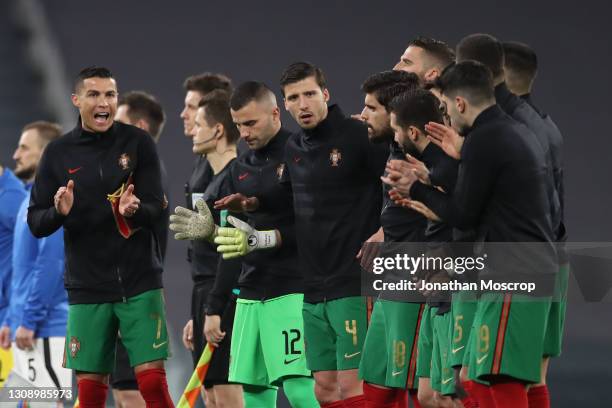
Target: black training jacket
(501,191)
(101,264)
(551,142)
(274,272)
(556,149)
(335,175)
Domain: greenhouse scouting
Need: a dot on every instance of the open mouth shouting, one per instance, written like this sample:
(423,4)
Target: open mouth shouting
(101,118)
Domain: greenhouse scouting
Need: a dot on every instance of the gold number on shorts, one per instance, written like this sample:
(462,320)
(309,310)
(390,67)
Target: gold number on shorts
(351,328)
(399,352)
(485,337)
(155,316)
(458,329)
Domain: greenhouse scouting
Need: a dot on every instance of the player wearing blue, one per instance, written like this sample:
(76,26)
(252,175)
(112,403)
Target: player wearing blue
(12,193)
(37,311)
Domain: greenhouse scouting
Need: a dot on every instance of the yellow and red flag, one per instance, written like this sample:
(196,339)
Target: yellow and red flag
(192,390)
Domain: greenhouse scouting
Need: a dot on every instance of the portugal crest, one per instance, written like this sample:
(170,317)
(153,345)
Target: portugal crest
(124,161)
(75,346)
(334,157)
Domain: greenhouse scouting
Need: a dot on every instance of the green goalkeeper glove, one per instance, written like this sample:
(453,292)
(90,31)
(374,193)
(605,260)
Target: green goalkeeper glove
(239,241)
(193,225)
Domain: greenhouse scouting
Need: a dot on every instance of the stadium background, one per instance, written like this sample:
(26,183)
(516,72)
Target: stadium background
(154,45)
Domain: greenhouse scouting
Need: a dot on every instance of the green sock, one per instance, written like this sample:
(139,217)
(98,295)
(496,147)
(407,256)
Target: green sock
(300,392)
(259,397)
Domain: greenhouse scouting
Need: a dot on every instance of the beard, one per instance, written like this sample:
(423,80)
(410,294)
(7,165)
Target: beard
(25,173)
(410,148)
(381,136)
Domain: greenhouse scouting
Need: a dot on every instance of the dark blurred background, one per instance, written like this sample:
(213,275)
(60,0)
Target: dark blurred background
(154,45)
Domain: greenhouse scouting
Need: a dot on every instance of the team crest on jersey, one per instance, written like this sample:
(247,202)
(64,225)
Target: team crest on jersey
(334,157)
(75,346)
(124,161)
(279,170)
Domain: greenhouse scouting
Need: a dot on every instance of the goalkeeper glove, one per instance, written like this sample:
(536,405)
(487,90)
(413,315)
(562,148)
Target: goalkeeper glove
(239,241)
(193,225)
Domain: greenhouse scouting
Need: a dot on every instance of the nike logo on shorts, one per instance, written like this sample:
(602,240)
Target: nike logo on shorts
(481,359)
(447,380)
(72,171)
(291,361)
(396,373)
(156,346)
(349,356)
(457,349)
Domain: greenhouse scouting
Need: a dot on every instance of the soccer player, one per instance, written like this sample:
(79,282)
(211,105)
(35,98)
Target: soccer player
(394,324)
(101,182)
(271,299)
(334,172)
(213,310)
(12,193)
(38,305)
(410,112)
(427,58)
(489,51)
(142,110)
(485,199)
(520,70)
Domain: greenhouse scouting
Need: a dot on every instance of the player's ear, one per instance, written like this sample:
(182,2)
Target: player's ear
(219,131)
(413,133)
(142,124)
(460,102)
(275,113)
(431,75)
(326,95)
(75,100)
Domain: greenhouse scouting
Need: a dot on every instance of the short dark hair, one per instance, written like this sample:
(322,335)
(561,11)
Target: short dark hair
(142,105)
(521,60)
(207,82)
(91,72)
(441,53)
(471,79)
(485,49)
(299,71)
(47,131)
(416,107)
(247,92)
(216,106)
(388,84)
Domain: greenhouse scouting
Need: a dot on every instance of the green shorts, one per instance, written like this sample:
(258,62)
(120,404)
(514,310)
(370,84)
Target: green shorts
(463,310)
(92,331)
(556,319)
(268,341)
(390,347)
(508,337)
(442,373)
(425,343)
(334,332)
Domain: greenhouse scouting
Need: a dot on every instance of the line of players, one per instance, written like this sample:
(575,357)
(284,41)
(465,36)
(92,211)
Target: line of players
(317,191)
